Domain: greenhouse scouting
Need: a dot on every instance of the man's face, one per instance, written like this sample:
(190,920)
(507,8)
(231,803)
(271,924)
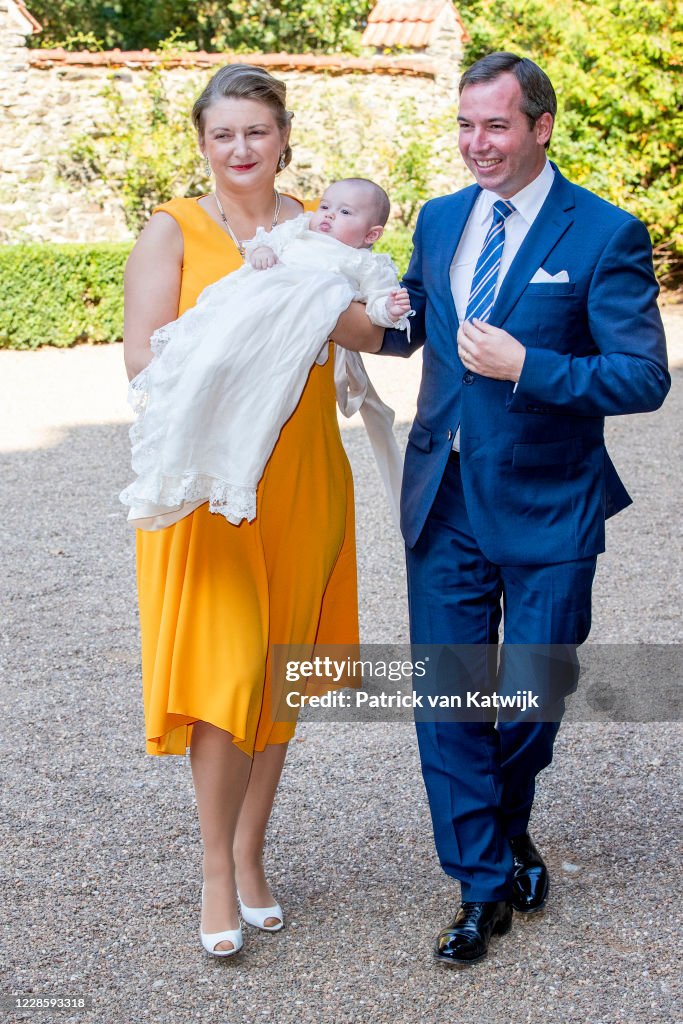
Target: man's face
(501,149)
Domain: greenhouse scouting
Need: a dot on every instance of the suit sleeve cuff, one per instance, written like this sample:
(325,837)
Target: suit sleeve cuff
(528,393)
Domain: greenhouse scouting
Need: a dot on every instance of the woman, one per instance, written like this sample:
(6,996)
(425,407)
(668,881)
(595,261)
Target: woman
(213,596)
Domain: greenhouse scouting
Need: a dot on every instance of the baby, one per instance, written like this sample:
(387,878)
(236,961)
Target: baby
(227,375)
(346,212)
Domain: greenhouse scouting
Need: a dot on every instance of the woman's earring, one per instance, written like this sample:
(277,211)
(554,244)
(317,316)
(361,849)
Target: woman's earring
(281,162)
(207,167)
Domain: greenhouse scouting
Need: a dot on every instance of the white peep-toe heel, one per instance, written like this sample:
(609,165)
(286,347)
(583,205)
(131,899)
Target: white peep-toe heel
(211,939)
(257,916)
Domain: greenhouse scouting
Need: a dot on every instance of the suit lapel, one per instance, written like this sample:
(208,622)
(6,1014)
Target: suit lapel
(553,220)
(450,233)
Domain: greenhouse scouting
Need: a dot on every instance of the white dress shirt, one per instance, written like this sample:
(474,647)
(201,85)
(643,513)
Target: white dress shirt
(527,205)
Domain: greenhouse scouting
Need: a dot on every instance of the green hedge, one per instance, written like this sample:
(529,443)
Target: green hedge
(64,294)
(61,294)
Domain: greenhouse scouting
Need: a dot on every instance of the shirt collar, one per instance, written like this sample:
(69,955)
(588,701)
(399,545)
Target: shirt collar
(526,202)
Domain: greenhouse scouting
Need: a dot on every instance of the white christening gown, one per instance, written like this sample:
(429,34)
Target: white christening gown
(227,375)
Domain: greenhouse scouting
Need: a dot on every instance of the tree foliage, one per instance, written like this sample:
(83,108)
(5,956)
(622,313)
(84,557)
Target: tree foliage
(296,26)
(619,128)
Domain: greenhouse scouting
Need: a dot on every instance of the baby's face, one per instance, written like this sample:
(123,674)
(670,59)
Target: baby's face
(346,212)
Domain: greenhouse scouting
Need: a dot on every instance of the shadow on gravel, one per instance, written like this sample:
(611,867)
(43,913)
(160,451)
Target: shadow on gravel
(99,844)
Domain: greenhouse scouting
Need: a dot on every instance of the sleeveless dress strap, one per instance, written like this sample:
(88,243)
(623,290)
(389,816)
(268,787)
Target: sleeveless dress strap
(184,211)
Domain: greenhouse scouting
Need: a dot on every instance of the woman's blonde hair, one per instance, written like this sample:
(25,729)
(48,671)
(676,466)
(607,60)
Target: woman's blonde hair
(245,82)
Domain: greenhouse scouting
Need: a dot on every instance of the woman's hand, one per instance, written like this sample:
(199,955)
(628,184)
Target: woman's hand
(151,288)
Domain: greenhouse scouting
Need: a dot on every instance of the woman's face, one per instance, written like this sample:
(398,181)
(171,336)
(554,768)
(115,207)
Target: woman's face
(243,142)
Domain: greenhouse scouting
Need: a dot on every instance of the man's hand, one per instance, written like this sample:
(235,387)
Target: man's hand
(263,257)
(490,351)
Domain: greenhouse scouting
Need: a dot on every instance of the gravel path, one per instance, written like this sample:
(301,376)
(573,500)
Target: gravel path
(99,843)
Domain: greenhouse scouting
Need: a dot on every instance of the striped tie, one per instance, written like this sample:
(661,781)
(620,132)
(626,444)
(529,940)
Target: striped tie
(482,293)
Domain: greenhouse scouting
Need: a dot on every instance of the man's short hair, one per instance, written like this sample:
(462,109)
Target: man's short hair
(538,95)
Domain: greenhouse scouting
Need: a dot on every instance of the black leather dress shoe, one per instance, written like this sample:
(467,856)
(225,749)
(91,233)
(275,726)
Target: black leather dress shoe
(466,941)
(530,882)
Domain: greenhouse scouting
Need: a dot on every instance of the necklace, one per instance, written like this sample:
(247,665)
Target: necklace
(240,247)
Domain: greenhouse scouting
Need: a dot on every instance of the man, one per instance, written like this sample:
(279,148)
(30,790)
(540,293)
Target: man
(551,295)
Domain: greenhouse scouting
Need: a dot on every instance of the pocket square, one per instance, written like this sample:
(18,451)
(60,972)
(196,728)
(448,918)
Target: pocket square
(543,277)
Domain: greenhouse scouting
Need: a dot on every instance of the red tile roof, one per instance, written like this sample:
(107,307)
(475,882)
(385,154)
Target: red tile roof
(333,64)
(23,9)
(396,23)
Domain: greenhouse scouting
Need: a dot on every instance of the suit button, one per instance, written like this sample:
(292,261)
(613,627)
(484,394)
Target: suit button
(449,435)
(468,378)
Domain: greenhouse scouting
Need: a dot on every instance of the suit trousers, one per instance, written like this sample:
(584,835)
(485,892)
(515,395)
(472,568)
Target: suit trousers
(480,774)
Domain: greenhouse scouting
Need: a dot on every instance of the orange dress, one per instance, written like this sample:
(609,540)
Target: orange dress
(213,597)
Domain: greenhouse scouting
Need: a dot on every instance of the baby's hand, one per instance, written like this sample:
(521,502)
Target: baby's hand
(398,304)
(263,257)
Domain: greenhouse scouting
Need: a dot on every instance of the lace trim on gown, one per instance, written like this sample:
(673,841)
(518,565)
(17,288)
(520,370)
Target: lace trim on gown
(158,494)
(162,493)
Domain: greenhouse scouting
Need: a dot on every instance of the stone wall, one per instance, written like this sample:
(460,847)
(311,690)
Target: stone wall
(346,115)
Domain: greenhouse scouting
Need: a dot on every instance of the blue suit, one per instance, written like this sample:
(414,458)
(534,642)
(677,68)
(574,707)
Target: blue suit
(519,519)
